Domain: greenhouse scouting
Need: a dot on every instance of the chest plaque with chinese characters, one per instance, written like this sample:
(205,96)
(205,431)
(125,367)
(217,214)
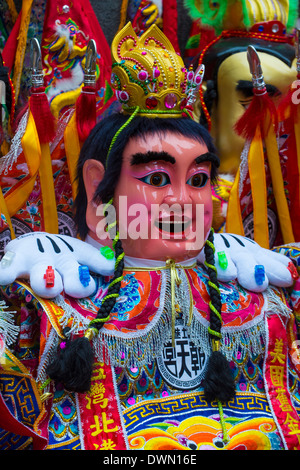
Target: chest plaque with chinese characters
(183,365)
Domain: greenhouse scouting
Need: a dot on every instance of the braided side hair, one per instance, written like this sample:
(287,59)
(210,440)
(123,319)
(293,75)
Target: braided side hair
(73,365)
(109,300)
(218,384)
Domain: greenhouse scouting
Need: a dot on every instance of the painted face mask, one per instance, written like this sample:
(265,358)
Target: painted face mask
(163,198)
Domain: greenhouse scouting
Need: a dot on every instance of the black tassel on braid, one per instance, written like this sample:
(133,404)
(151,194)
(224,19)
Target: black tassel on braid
(73,365)
(218,383)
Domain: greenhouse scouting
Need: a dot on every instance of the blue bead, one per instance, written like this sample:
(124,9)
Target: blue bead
(84,275)
(259,274)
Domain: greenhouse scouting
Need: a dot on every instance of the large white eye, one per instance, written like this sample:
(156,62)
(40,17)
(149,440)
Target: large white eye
(198,180)
(157,179)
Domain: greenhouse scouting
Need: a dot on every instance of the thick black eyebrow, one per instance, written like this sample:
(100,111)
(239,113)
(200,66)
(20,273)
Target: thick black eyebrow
(208,157)
(139,158)
(142,158)
(246,87)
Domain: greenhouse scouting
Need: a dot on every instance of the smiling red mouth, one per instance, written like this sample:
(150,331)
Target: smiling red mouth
(172,225)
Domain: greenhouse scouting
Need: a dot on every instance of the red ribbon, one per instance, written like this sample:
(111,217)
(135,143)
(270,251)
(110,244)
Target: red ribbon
(276,382)
(100,416)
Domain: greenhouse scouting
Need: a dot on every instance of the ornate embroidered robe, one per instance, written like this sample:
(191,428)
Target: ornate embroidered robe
(150,361)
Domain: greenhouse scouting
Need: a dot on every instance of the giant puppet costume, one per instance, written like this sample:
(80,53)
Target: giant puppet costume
(259,163)
(160,354)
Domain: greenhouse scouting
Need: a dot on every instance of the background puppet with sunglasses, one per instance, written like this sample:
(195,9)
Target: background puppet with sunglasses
(160,354)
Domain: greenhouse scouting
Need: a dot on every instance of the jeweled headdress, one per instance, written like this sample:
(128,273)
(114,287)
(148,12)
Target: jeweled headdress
(147,73)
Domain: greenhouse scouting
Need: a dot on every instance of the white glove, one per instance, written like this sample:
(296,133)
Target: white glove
(254,267)
(33,255)
(30,256)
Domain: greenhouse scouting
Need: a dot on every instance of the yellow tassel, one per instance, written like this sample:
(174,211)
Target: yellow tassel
(21,48)
(234,222)
(12,10)
(123,15)
(278,187)
(48,193)
(174,279)
(72,147)
(257,175)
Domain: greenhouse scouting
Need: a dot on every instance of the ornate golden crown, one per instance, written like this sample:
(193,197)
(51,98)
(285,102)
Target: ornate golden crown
(149,74)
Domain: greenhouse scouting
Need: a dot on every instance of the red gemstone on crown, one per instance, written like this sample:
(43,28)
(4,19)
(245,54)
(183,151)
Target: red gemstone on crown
(151,102)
